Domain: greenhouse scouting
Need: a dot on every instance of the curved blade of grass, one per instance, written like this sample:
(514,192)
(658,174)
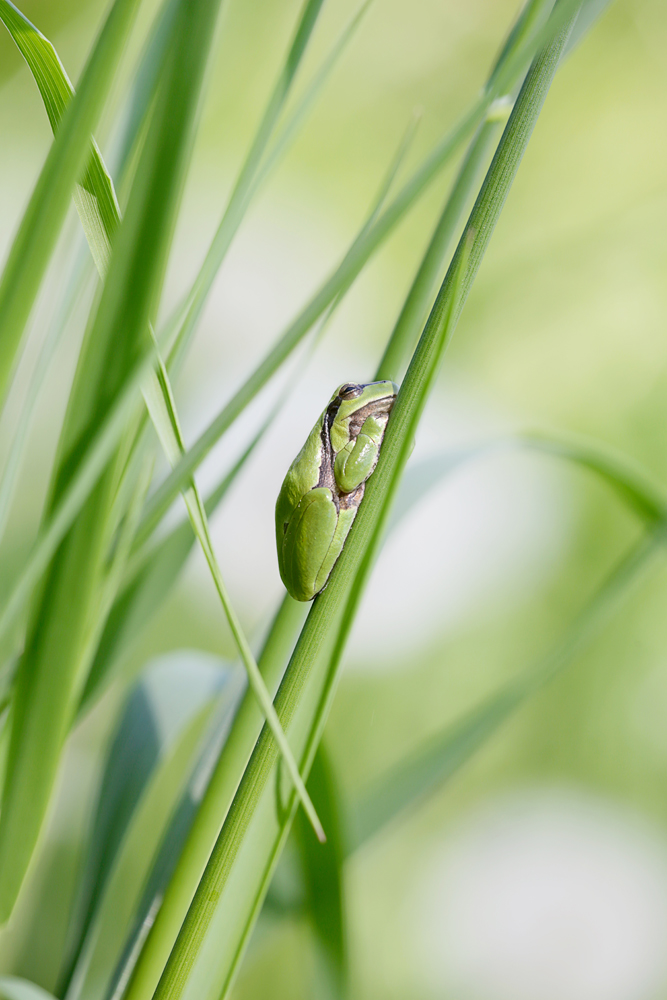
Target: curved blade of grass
(633,483)
(47,208)
(52,669)
(322,867)
(155,510)
(149,578)
(229,896)
(441,757)
(415,308)
(14,988)
(190,866)
(514,61)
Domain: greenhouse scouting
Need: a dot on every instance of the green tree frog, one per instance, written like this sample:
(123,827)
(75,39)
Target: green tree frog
(325,484)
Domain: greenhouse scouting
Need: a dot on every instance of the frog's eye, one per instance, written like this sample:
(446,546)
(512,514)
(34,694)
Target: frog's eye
(350,390)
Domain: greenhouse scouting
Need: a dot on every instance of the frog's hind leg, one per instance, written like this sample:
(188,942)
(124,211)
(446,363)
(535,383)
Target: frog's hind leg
(308,539)
(345,518)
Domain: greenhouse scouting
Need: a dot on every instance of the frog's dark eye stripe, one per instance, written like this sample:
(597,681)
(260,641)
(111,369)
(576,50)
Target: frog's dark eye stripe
(349,390)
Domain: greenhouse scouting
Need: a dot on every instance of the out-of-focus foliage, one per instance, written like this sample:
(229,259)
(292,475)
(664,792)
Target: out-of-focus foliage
(564,330)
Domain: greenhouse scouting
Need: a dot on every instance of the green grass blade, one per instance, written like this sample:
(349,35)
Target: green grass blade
(144,90)
(322,867)
(426,770)
(52,669)
(60,519)
(46,210)
(218,798)
(156,506)
(227,901)
(368,240)
(57,327)
(149,577)
(420,297)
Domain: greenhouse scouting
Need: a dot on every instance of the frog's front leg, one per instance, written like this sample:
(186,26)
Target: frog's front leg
(355,462)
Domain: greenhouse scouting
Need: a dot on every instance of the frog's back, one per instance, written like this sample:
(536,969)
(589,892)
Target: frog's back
(302,476)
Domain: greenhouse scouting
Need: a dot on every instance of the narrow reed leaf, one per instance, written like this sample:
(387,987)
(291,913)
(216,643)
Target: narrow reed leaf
(223,911)
(224,781)
(420,297)
(57,327)
(160,501)
(149,577)
(46,210)
(60,519)
(200,831)
(53,666)
(322,868)
(442,756)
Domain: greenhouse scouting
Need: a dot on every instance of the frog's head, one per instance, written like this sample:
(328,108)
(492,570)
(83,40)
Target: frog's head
(352,403)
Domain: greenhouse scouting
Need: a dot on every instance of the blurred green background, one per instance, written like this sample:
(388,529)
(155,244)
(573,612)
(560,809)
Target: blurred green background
(540,871)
